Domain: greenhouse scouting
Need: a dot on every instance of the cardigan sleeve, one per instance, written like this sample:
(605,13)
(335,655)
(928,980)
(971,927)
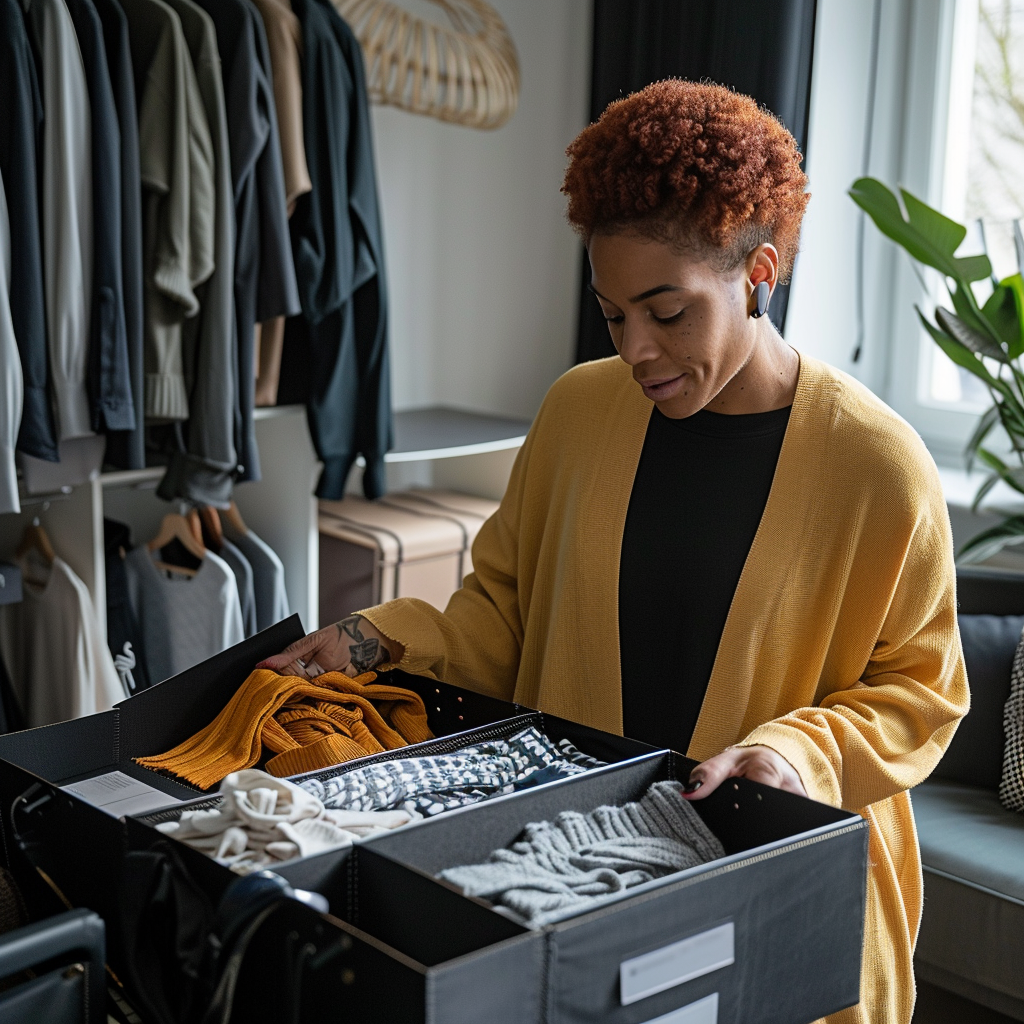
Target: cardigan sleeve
(886,731)
(477,641)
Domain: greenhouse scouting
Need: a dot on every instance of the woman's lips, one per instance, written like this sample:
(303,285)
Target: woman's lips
(657,390)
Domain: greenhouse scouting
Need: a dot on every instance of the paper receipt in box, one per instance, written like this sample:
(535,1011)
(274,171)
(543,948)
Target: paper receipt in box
(119,794)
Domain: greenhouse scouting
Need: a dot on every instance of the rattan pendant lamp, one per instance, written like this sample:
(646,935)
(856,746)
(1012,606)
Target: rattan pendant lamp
(466,72)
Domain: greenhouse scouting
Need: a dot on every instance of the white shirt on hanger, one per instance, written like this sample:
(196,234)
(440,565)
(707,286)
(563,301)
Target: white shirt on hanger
(51,642)
(11,381)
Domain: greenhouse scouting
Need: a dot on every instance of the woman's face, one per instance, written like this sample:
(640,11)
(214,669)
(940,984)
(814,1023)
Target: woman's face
(683,326)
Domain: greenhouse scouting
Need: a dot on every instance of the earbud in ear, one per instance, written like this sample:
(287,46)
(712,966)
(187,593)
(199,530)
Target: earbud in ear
(762,293)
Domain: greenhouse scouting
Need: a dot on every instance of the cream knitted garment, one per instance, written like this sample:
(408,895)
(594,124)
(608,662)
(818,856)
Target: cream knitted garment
(263,820)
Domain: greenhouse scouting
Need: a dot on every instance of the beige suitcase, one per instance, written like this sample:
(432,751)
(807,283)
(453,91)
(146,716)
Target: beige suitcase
(411,544)
(469,512)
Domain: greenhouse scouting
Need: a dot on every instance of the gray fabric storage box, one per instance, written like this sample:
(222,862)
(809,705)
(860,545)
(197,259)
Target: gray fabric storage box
(421,971)
(422,957)
(790,893)
(398,946)
(80,847)
(415,980)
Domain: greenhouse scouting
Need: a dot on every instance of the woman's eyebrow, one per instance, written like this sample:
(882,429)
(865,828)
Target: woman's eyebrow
(650,293)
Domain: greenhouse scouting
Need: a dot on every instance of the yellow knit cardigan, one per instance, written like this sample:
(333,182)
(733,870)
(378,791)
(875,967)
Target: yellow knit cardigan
(840,651)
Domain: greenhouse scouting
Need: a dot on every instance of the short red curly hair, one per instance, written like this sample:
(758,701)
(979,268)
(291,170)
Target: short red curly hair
(693,164)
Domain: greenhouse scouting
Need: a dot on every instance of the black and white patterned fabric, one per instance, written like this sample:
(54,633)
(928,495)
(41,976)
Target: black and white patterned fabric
(574,754)
(1011,788)
(429,785)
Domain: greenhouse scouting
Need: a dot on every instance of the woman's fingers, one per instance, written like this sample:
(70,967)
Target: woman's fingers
(312,656)
(759,764)
(304,658)
(291,656)
(710,774)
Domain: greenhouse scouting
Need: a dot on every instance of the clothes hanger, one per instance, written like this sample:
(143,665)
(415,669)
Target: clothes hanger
(176,527)
(210,528)
(235,520)
(35,539)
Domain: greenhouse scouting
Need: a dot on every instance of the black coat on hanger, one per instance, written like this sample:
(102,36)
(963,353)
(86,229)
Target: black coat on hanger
(335,356)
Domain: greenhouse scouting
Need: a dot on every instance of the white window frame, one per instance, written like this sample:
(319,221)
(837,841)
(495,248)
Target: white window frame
(939,71)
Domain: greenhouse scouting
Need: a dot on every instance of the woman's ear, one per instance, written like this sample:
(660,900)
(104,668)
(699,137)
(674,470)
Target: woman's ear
(763,265)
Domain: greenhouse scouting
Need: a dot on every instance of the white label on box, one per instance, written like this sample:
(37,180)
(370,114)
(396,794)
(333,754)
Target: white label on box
(119,794)
(669,966)
(704,1011)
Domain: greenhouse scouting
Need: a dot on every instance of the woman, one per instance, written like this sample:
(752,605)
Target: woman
(711,542)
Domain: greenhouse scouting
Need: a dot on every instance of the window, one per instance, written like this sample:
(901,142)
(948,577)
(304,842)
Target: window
(982,182)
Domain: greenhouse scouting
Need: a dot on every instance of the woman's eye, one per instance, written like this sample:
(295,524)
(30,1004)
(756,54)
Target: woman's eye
(615,319)
(669,319)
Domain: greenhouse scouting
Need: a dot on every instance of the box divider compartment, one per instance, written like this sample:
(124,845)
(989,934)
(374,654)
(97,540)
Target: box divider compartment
(793,922)
(434,974)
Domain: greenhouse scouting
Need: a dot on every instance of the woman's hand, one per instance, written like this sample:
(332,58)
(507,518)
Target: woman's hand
(760,764)
(352,646)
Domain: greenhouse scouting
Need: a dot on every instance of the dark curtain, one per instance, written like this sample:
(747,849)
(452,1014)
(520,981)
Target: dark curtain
(761,49)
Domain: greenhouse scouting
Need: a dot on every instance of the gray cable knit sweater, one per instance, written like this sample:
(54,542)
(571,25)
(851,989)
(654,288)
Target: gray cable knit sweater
(571,862)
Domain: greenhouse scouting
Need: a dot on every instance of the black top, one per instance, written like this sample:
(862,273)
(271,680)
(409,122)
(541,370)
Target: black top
(335,356)
(126,448)
(21,123)
(700,491)
(111,401)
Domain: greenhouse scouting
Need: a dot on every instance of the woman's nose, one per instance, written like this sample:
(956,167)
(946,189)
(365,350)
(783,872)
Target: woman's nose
(636,343)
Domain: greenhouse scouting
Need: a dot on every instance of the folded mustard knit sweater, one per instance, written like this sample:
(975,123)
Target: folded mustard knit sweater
(307,724)
(841,649)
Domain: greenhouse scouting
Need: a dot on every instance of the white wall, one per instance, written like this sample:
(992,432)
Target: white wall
(483,268)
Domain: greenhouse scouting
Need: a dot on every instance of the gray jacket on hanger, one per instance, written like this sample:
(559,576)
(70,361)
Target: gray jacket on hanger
(204,471)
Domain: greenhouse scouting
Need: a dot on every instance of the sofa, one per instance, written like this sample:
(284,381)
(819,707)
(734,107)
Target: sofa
(972,848)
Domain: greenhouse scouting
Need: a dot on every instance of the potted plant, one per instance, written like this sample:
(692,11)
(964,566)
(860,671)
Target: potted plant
(986,339)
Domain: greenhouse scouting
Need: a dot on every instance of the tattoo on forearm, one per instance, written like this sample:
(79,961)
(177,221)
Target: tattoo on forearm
(350,627)
(364,654)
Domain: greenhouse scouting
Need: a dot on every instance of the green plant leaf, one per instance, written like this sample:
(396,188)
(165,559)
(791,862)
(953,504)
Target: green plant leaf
(1013,477)
(989,542)
(987,484)
(967,309)
(957,352)
(944,234)
(1001,312)
(988,419)
(974,268)
(881,205)
(1014,286)
(1015,282)
(1011,414)
(968,336)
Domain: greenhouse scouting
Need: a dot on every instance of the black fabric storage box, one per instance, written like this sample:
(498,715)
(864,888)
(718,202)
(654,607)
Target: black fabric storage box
(426,970)
(412,949)
(81,846)
(792,885)
(89,870)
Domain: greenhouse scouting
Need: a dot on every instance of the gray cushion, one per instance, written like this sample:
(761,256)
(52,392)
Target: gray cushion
(967,834)
(975,756)
(970,942)
(972,932)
